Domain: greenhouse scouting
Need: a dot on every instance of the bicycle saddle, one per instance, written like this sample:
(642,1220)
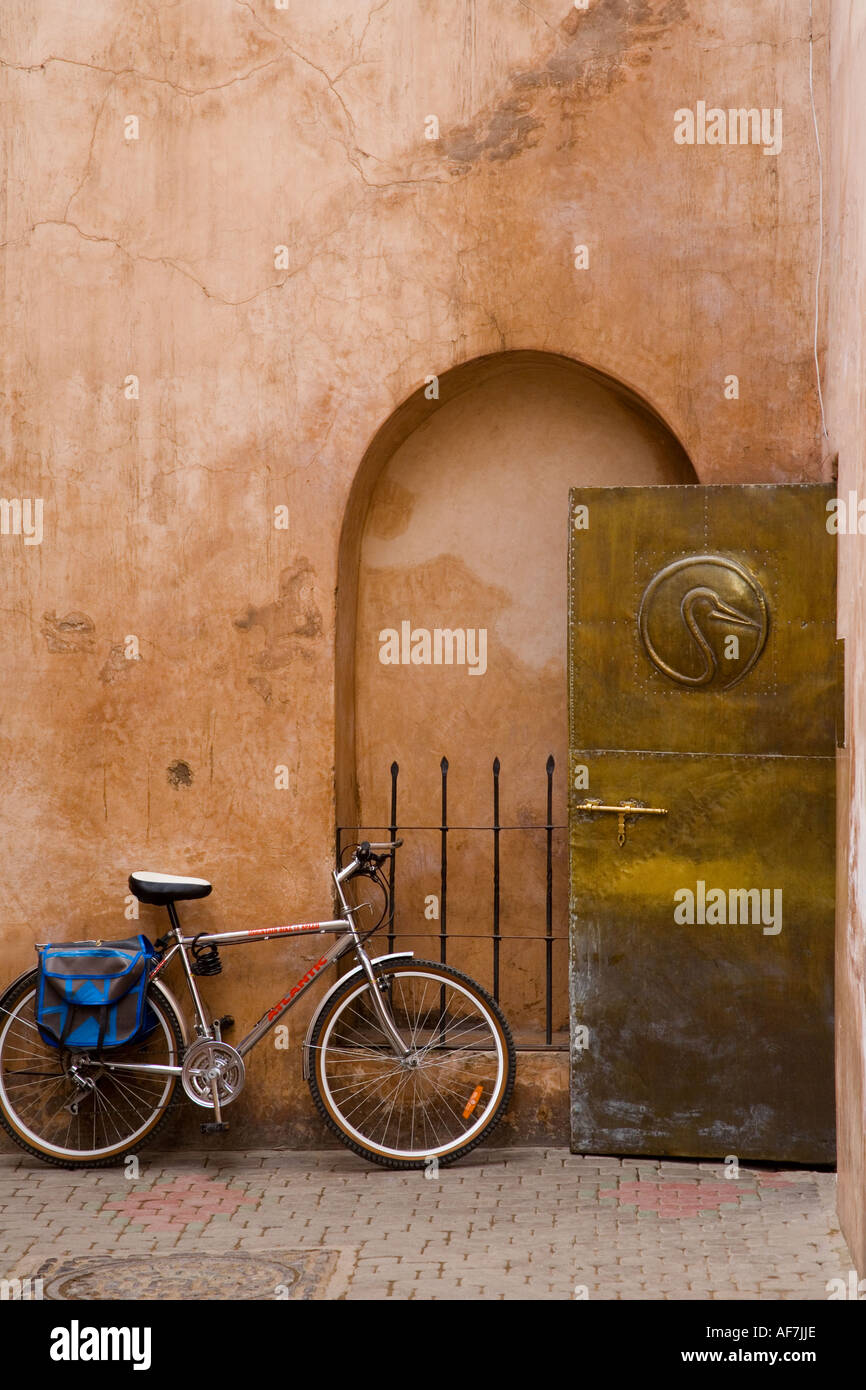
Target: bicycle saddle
(166,888)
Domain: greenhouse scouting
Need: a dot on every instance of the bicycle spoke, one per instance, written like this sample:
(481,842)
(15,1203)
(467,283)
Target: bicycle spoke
(38,1088)
(429,1100)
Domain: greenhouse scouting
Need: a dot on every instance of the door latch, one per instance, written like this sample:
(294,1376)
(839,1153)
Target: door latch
(623,809)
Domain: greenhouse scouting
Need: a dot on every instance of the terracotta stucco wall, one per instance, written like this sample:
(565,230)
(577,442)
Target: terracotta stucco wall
(846,402)
(263,376)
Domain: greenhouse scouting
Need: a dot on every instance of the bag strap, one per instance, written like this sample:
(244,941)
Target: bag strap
(68,1021)
(67,1025)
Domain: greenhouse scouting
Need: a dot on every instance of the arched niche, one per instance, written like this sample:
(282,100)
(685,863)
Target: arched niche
(458,520)
(460,503)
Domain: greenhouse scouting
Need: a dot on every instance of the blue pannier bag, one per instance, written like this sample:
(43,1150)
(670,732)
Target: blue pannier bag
(93,994)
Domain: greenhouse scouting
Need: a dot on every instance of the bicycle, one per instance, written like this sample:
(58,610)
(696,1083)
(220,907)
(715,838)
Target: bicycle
(407,1060)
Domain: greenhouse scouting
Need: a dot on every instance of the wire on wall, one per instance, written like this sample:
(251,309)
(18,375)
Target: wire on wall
(820,225)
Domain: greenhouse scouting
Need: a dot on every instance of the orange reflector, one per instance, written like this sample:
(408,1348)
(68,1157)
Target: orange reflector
(472,1102)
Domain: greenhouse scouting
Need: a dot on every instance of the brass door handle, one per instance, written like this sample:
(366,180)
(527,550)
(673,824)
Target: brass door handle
(623,809)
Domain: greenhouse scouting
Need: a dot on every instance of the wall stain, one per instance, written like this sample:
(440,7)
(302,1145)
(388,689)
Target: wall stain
(289,623)
(262,687)
(391,510)
(505,134)
(117,664)
(598,51)
(74,632)
(179,774)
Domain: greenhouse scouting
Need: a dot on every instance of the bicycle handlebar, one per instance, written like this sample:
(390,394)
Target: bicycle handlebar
(366,851)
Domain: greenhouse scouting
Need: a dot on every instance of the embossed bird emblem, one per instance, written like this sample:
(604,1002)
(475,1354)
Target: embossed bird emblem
(697,607)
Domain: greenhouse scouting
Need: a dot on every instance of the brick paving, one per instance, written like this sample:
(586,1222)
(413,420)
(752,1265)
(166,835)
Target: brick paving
(503,1224)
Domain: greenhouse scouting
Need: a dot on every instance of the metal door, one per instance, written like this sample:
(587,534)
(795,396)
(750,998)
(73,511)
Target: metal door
(703,688)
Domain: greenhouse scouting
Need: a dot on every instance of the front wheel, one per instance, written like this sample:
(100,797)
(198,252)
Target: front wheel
(438,1102)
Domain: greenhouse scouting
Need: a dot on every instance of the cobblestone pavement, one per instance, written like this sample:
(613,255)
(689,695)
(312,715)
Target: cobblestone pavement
(505,1224)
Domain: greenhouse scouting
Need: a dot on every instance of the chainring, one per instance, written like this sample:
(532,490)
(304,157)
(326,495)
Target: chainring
(209,1060)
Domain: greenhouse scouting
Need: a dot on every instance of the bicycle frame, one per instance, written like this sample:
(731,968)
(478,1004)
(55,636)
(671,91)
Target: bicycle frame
(348,939)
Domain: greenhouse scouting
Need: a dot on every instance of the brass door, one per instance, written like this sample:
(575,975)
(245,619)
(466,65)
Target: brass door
(702,670)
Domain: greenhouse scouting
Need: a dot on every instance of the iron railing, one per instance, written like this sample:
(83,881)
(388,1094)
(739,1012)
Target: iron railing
(495,936)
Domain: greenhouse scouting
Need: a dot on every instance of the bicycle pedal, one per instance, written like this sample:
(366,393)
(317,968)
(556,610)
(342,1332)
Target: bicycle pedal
(215,1127)
(225,1022)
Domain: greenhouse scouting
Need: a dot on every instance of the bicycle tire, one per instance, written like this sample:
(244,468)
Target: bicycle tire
(386,1156)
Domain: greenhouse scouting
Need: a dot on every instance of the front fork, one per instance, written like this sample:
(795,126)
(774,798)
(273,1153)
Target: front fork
(380,1008)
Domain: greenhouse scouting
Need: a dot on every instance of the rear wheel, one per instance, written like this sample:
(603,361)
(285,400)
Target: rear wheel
(441,1100)
(69,1109)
